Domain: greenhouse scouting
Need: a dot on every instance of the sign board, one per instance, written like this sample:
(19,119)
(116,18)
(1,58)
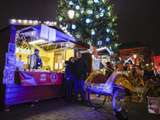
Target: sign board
(39,78)
(52,34)
(44,32)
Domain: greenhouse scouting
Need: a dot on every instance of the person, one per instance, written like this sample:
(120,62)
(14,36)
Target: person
(69,77)
(35,60)
(80,76)
(109,69)
(19,64)
(139,74)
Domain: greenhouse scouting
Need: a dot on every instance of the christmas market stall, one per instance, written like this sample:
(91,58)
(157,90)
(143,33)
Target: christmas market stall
(140,56)
(34,63)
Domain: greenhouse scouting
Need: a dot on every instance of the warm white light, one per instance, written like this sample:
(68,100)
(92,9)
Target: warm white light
(47,22)
(90,1)
(134,56)
(51,23)
(89,11)
(13,21)
(97,16)
(30,21)
(37,41)
(116,45)
(92,32)
(61,26)
(54,23)
(60,18)
(56,66)
(19,21)
(71,14)
(35,22)
(109,13)
(25,21)
(65,31)
(78,35)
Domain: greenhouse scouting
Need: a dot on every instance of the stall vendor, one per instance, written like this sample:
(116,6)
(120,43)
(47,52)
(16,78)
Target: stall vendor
(35,60)
(19,63)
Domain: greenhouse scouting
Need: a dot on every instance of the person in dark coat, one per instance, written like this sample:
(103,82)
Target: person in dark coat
(80,76)
(69,77)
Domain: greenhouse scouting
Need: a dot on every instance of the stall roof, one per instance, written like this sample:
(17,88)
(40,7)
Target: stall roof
(46,33)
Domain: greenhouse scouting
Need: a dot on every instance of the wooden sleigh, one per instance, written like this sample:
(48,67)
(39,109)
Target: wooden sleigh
(98,88)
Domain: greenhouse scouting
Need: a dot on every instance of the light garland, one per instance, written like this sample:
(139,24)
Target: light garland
(31,22)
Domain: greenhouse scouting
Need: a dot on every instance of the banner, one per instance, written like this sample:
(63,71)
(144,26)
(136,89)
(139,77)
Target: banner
(39,78)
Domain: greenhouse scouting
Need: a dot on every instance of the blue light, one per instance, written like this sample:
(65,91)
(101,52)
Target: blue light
(73,26)
(92,32)
(77,7)
(96,1)
(107,39)
(70,3)
(108,30)
(88,20)
(99,42)
(102,10)
(101,14)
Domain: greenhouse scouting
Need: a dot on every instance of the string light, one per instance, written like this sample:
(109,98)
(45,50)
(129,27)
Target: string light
(31,22)
(107,39)
(71,14)
(77,7)
(12,21)
(73,26)
(88,20)
(108,30)
(92,32)
(19,21)
(96,1)
(25,21)
(89,11)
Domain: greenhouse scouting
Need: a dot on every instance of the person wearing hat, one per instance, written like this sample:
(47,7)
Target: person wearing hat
(35,60)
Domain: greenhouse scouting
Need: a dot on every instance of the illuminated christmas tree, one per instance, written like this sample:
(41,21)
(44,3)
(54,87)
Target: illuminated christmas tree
(89,21)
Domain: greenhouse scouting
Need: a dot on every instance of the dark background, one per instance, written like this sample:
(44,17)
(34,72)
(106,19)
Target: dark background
(139,20)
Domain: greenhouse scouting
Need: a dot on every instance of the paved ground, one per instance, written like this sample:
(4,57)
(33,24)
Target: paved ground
(58,109)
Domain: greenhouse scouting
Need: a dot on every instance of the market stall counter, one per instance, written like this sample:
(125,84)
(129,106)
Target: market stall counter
(33,86)
(35,78)
(34,63)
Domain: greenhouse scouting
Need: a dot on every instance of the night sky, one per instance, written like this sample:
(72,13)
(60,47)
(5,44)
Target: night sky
(139,20)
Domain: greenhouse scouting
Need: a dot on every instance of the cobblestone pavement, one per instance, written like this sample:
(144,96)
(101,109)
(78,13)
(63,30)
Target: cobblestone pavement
(58,109)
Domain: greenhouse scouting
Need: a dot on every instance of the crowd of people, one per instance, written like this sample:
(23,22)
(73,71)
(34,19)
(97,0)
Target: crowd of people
(76,74)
